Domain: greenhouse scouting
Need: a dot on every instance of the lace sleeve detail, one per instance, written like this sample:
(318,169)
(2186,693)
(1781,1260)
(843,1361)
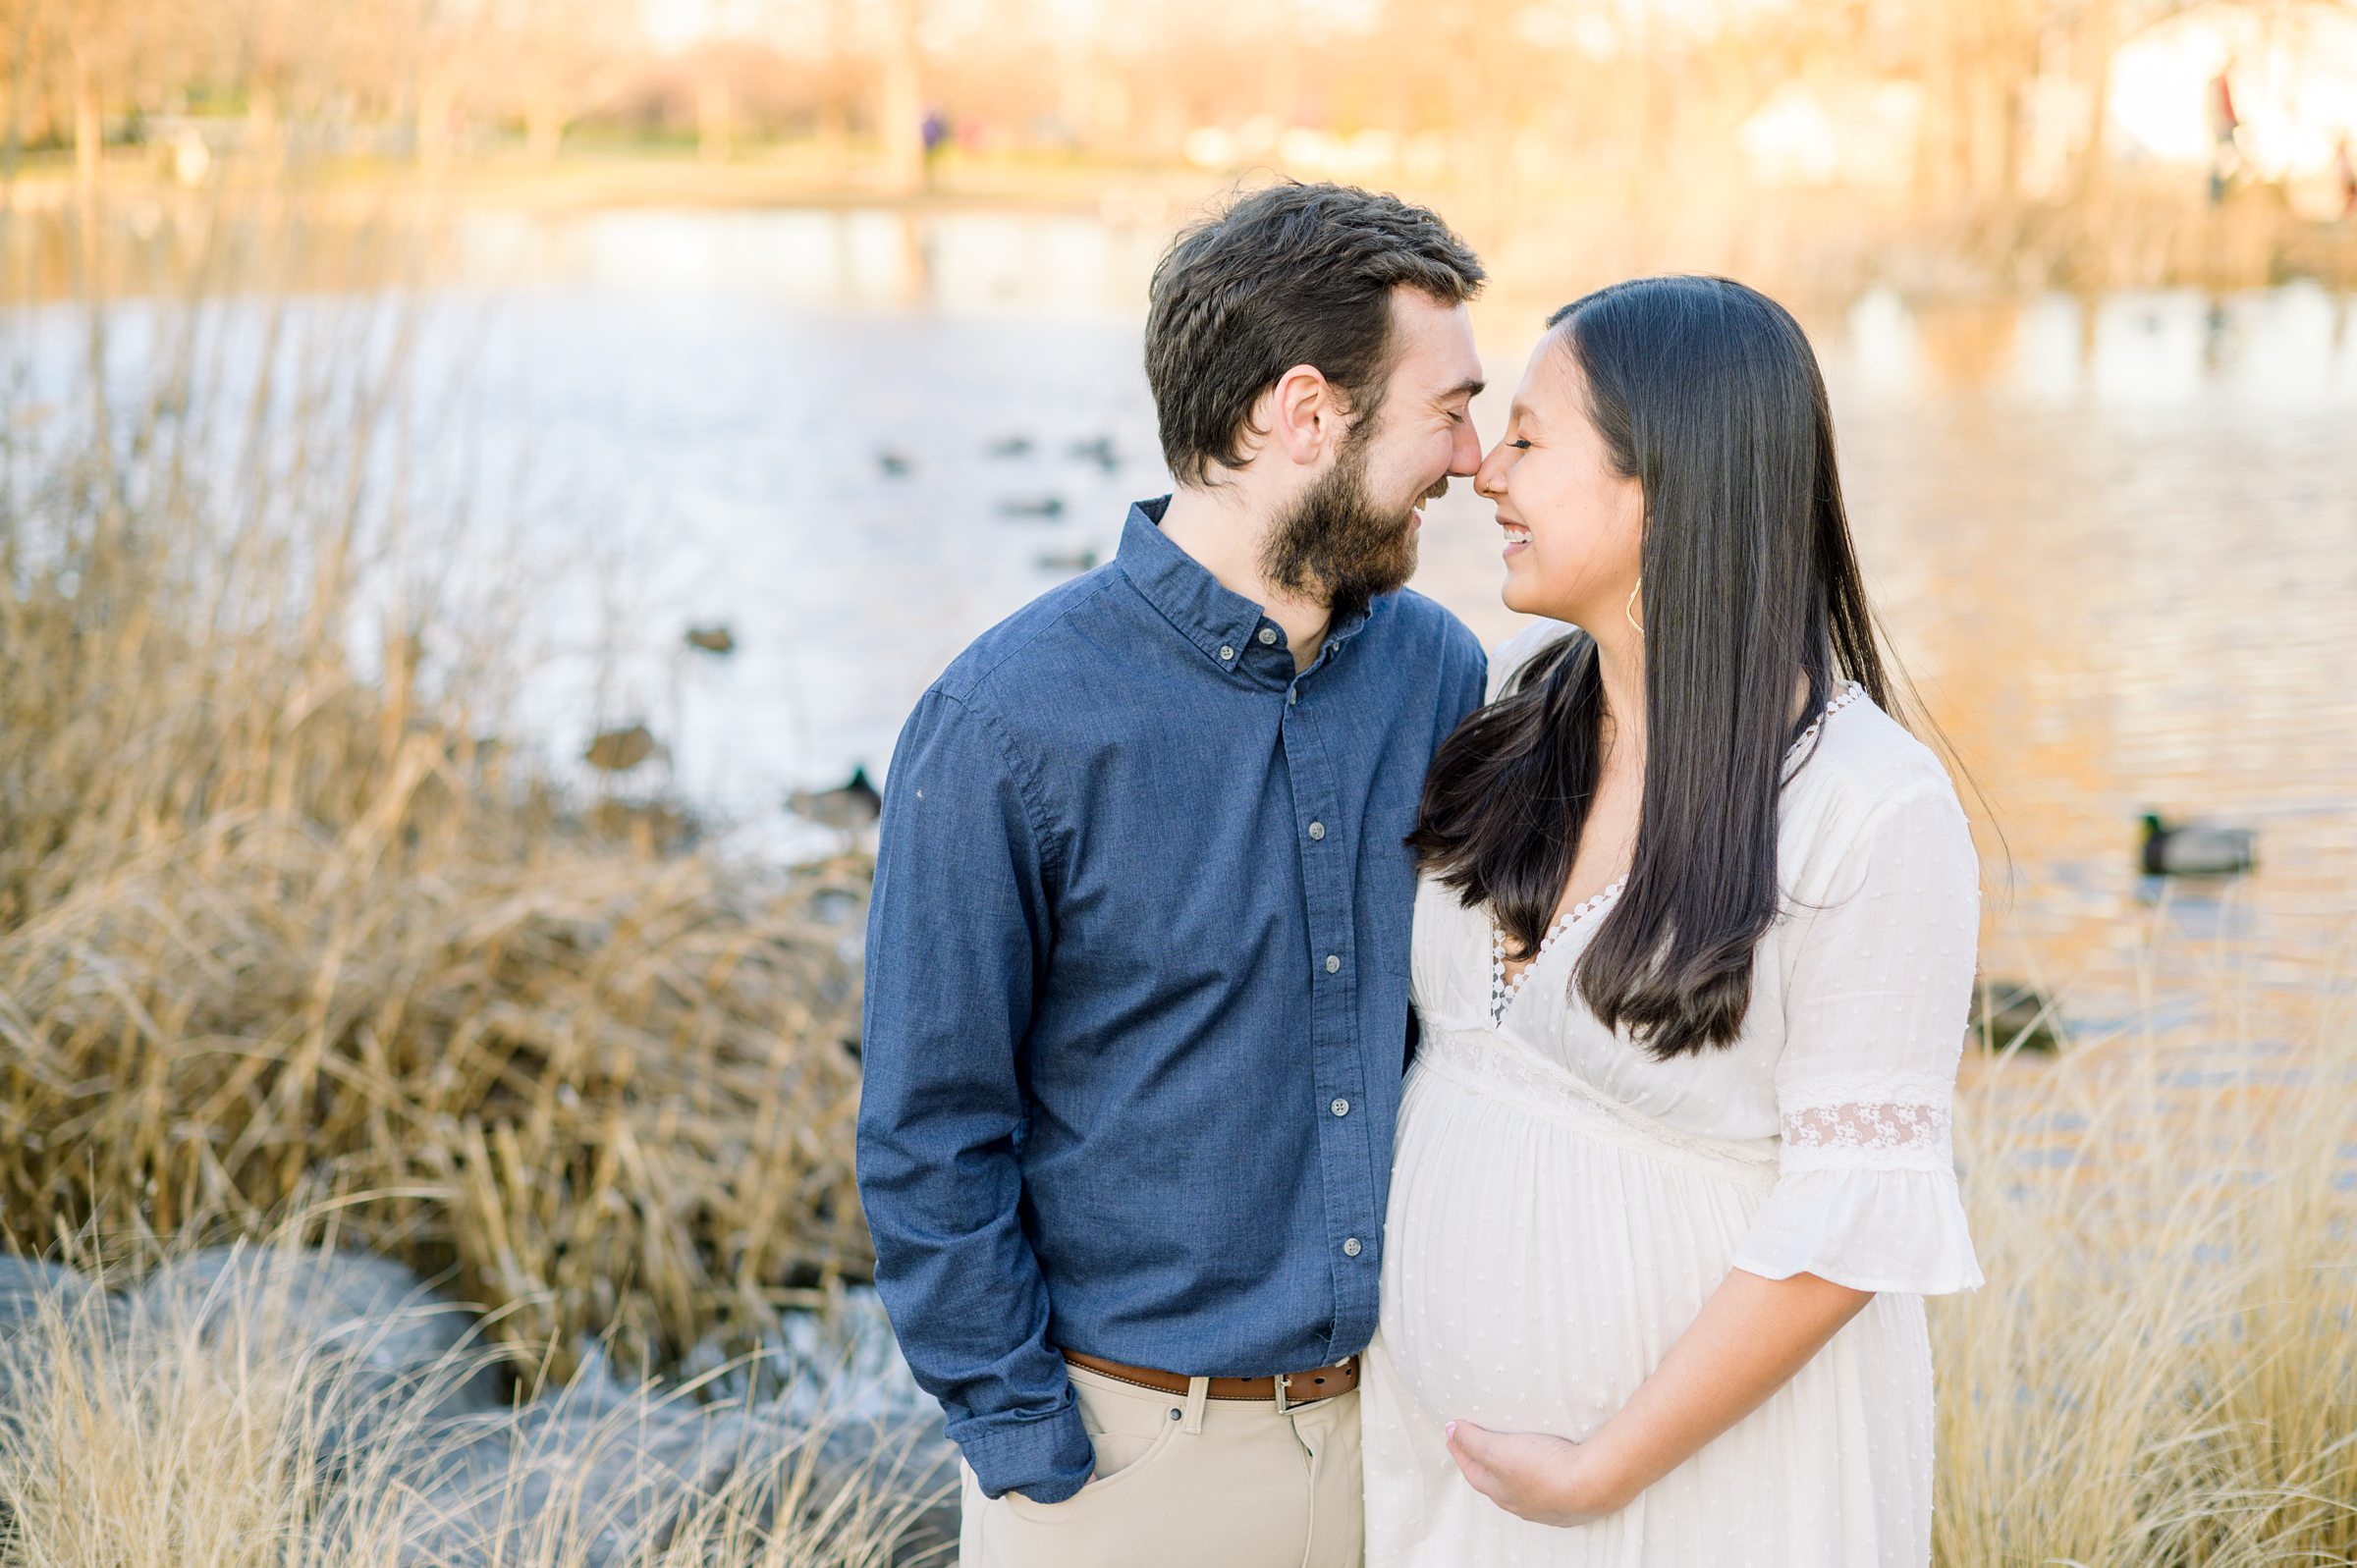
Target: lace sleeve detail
(1901,1122)
(1866,1189)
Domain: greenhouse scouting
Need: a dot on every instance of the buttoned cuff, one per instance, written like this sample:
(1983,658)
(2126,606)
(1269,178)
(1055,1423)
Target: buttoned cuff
(1047,1458)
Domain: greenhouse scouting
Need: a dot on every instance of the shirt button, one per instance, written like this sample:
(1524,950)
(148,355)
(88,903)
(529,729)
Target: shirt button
(1334,964)
(1291,697)
(1226,652)
(1350,1248)
(1268,636)
(1340,1107)
(1317,830)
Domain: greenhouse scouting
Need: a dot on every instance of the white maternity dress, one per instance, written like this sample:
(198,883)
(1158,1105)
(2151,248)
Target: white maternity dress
(1562,1203)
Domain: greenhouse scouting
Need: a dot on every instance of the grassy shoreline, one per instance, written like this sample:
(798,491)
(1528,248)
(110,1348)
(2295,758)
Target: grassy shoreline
(2152,229)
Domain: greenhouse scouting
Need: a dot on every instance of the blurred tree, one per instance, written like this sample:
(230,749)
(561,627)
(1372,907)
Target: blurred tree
(713,65)
(444,54)
(900,95)
(835,92)
(1636,113)
(562,59)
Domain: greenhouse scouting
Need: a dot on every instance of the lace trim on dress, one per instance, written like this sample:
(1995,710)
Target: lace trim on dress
(1849,692)
(1504,992)
(1888,1122)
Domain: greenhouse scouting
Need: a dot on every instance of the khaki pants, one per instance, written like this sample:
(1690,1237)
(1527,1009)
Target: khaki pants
(1184,1481)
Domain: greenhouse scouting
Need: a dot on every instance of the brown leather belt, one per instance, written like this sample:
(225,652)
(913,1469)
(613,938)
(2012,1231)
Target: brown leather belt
(1287,1389)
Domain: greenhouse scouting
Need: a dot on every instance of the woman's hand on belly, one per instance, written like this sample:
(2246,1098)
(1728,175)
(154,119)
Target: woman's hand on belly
(1545,1479)
(1749,1340)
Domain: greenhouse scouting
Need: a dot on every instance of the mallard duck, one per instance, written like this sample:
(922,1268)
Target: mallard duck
(620,750)
(2197,849)
(1097,450)
(2008,1014)
(896,464)
(1066,560)
(1009,446)
(718,640)
(849,806)
(1032,507)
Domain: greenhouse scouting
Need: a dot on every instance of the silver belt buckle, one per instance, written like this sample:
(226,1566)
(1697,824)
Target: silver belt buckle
(1282,1404)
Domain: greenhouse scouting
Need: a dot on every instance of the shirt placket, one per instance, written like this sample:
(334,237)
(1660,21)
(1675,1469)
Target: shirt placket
(1338,1086)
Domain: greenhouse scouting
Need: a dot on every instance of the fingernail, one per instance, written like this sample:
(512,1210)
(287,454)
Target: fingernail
(1449,1430)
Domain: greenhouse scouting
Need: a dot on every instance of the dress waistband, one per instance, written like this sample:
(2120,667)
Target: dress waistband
(1486,1061)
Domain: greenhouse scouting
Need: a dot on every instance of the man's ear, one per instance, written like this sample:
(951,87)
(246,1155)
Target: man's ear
(1306,418)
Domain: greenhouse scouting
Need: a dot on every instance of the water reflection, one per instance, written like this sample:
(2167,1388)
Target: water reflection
(859,259)
(2114,536)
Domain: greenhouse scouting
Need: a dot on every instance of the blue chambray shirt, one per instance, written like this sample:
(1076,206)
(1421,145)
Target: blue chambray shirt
(1136,1001)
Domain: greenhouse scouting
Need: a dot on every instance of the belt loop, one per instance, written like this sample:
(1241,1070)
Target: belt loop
(1198,1394)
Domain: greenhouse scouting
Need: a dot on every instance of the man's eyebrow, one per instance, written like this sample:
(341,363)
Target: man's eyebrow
(1463,389)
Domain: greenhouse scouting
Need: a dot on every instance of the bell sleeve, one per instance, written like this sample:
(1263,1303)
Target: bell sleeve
(1876,1010)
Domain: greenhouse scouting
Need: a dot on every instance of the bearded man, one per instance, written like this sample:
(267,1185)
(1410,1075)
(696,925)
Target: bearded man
(1137,1000)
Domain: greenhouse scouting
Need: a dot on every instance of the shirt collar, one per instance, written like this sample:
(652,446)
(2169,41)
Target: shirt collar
(1207,612)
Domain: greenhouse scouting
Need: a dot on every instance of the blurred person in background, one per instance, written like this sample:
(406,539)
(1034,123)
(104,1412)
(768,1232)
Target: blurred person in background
(1693,953)
(1136,1001)
(2225,126)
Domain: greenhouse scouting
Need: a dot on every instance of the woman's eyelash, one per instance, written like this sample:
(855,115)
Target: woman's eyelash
(1520,441)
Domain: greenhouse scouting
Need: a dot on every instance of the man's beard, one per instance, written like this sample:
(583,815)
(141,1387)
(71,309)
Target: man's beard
(1340,544)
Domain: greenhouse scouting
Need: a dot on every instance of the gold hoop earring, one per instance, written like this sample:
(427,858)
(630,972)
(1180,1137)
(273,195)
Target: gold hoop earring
(1630,609)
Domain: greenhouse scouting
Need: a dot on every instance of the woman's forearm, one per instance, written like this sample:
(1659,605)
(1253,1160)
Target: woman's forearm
(1749,1338)
(1747,1341)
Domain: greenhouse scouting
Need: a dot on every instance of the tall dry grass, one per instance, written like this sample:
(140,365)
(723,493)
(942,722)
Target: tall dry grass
(210,1422)
(280,920)
(2162,1372)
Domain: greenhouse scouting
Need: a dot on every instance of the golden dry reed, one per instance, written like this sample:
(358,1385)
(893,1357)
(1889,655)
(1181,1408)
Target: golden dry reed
(179,1428)
(265,937)
(2161,1371)
(281,921)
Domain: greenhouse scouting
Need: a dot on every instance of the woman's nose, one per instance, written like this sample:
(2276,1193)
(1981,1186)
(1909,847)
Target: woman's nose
(1490,478)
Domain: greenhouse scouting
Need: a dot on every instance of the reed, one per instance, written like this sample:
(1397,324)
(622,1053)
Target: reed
(2162,1372)
(166,1428)
(282,919)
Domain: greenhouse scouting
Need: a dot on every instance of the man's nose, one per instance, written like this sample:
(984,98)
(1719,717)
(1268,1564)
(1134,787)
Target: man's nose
(1464,457)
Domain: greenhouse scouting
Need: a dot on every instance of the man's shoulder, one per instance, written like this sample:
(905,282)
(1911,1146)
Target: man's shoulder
(1424,624)
(1027,645)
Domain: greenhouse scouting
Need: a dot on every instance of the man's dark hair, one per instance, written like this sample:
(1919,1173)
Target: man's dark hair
(1297,274)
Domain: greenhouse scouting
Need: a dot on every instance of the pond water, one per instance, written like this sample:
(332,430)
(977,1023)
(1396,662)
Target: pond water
(2114,537)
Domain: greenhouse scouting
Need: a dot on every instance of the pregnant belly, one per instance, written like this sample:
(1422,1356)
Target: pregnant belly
(1534,1272)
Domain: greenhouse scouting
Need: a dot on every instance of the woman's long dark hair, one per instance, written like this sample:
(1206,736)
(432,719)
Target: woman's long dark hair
(1708,395)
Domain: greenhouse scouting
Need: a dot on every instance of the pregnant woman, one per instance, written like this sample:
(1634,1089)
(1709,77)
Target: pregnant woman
(1693,951)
